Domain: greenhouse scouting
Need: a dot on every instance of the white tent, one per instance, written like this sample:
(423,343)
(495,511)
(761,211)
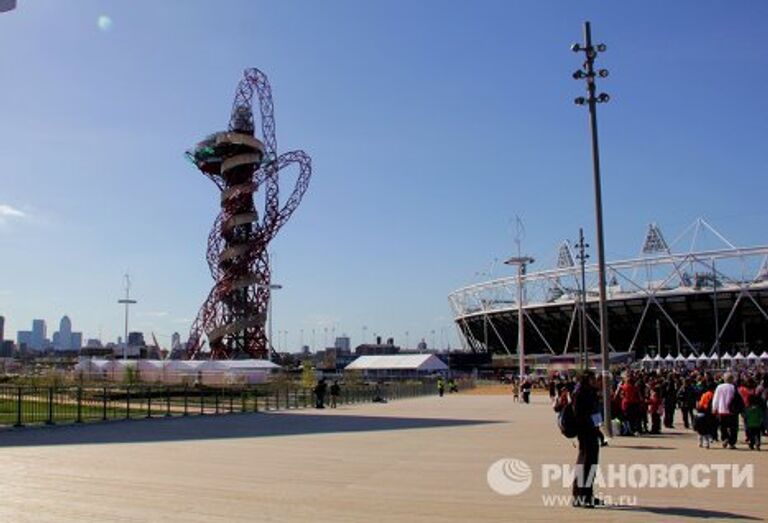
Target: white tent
(398,365)
(703,357)
(680,358)
(177,371)
(752,356)
(658,358)
(646,359)
(764,355)
(714,357)
(726,356)
(738,357)
(669,359)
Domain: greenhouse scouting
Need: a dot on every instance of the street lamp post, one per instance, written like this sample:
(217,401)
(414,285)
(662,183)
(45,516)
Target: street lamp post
(271,287)
(582,256)
(589,75)
(521,262)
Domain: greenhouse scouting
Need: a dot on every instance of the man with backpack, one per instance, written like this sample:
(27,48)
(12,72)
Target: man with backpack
(576,419)
(728,405)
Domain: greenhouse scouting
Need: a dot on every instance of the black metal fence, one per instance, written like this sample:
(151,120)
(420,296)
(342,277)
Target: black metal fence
(28,405)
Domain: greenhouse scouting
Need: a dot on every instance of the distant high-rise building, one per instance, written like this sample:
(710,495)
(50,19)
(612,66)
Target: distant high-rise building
(93,343)
(63,338)
(6,349)
(2,329)
(343,343)
(136,339)
(175,341)
(24,338)
(39,335)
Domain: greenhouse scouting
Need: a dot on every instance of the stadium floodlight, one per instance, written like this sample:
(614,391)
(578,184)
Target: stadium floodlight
(603,98)
(603,73)
(575,48)
(7,5)
(580,100)
(601,48)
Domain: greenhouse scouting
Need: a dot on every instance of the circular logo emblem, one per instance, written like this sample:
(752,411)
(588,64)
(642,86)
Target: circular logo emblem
(509,476)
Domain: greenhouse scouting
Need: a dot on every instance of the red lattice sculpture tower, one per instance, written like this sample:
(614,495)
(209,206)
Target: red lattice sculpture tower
(233,316)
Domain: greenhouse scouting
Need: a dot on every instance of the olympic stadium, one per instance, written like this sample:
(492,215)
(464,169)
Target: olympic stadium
(676,298)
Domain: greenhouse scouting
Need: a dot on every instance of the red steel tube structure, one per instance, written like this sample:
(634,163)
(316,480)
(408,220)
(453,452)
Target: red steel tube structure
(234,314)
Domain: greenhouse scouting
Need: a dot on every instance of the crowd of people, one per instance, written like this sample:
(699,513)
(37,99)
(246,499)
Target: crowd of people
(713,403)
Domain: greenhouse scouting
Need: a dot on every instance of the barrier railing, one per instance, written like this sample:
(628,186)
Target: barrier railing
(36,405)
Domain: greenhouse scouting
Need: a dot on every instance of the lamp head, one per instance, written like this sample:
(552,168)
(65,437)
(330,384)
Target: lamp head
(579,74)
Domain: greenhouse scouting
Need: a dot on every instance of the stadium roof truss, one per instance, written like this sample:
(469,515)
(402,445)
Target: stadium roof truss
(652,282)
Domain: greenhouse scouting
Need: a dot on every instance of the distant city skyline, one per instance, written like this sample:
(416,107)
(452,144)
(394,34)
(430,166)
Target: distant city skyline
(64,339)
(428,134)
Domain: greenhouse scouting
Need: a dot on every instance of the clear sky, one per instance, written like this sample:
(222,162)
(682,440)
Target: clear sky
(431,124)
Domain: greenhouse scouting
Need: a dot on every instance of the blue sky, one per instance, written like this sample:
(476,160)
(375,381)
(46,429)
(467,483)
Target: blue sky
(430,124)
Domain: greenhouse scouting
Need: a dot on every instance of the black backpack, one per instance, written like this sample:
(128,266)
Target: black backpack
(566,421)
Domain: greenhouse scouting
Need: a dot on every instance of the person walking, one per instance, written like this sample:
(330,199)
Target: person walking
(669,398)
(656,409)
(320,390)
(584,406)
(705,423)
(686,400)
(515,390)
(552,389)
(440,386)
(335,391)
(726,406)
(630,404)
(754,415)
(526,390)
(452,387)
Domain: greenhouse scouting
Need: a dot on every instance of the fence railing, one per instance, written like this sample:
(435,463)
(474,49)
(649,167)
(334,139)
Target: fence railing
(30,405)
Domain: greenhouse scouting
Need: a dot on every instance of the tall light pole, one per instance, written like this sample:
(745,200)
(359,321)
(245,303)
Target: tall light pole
(127,301)
(521,262)
(589,75)
(270,345)
(582,256)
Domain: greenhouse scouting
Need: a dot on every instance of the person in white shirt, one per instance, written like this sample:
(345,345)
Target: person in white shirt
(721,408)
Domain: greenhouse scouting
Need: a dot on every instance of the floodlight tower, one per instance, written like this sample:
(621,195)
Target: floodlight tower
(590,75)
(233,317)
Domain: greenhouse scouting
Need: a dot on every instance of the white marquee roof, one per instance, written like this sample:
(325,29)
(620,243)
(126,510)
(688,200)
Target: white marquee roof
(178,365)
(422,362)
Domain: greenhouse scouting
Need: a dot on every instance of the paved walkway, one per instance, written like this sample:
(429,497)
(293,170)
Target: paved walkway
(407,461)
